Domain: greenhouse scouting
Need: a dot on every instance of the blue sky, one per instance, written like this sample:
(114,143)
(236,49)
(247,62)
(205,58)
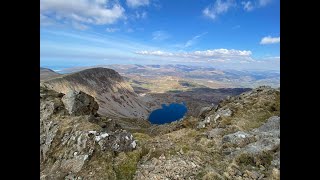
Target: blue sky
(221,33)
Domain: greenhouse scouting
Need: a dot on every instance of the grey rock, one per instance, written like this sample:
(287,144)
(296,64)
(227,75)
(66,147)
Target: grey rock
(265,144)
(201,124)
(79,103)
(204,111)
(214,118)
(224,112)
(117,141)
(269,129)
(238,139)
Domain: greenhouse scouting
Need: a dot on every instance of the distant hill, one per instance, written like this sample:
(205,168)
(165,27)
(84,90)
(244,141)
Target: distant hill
(46,74)
(208,76)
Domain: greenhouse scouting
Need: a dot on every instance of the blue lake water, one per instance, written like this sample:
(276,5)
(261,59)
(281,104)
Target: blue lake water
(167,114)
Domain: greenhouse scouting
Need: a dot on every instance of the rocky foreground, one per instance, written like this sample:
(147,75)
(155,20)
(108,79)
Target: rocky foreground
(237,139)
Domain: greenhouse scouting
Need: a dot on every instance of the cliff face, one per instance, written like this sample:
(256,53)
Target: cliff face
(113,94)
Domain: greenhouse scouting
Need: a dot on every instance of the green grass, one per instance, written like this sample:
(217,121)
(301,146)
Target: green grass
(127,164)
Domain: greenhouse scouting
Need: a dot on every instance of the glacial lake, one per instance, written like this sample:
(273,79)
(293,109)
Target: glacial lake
(167,114)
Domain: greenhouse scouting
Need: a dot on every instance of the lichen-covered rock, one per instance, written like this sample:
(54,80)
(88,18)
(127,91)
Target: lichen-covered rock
(117,141)
(79,103)
(214,117)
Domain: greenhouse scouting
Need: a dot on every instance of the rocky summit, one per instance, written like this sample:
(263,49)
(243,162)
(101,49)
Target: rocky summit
(81,138)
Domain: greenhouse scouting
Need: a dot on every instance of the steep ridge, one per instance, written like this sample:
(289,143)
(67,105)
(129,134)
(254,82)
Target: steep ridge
(114,95)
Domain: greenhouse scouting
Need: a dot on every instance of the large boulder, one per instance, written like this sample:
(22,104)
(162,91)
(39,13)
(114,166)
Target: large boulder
(79,103)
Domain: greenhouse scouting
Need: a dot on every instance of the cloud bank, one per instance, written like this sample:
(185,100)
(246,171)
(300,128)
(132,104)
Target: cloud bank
(270,40)
(98,12)
(218,55)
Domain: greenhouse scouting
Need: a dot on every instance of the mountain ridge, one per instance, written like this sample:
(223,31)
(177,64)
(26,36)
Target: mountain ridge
(113,94)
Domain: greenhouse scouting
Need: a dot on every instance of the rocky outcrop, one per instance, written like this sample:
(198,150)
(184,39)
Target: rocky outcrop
(204,111)
(262,139)
(79,103)
(213,118)
(72,139)
(244,112)
(118,141)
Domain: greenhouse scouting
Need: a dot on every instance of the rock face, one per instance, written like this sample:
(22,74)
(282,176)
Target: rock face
(79,103)
(113,94)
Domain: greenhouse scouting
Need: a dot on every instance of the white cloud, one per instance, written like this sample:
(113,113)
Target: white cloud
(248,6)
(97,12)
(219,7)
(155,53)
(137,3)
(193,40)
(160,35)
(218,55)
(270,40)
(111,30)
